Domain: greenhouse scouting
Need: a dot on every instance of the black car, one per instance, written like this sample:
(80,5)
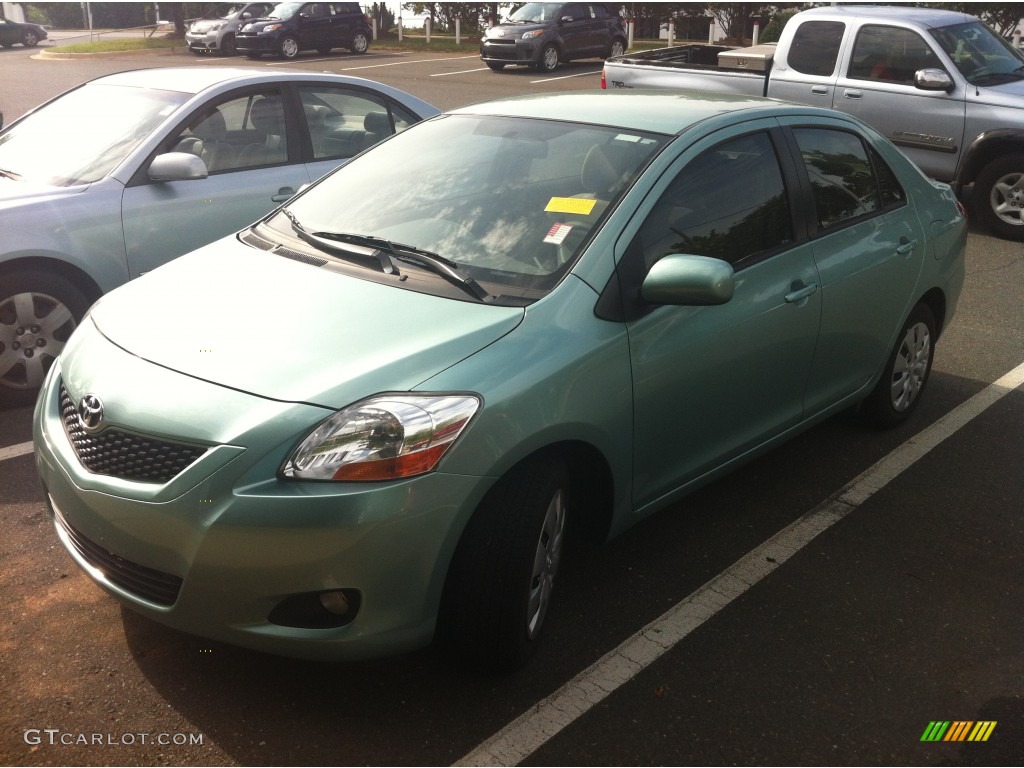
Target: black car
(542,35)
(292,27)
(12,32)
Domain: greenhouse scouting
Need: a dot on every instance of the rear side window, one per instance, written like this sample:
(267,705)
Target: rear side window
(729,203)
(815,47)
(848,180)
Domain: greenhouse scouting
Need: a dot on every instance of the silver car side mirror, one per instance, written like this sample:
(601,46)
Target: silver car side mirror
(933,79)
(177,166)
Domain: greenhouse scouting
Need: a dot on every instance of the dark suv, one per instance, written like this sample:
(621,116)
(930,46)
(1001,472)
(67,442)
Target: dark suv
(292,27)
(543,34)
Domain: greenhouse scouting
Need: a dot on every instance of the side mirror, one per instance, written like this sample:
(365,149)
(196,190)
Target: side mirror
(177,166)
(692,281)
(933,79)
(565,20)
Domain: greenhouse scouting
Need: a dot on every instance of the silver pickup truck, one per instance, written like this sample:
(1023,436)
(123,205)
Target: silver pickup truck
(941,85)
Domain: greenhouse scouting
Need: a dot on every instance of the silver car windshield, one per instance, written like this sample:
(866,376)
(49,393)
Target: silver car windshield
(511,201)
(982,56)
(85,134)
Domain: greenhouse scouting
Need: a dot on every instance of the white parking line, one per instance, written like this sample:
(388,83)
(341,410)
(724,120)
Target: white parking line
(461,72)
(400,63)
(523,736)
(564,77)
(13,451)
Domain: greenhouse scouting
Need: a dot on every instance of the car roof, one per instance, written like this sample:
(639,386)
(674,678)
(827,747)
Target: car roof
(197,79)
(924,17)
(650,110)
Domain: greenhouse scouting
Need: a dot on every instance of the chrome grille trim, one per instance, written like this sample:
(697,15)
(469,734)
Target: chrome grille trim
(116,453)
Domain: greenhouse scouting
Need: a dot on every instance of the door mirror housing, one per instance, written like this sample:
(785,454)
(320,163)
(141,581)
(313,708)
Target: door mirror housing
(933,79)
(687,280)
(177,166)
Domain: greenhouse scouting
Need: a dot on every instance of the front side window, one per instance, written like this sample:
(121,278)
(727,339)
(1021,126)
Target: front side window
(847,180)
(84,135)
(511,201)
(815,47)
(890,54)
(730,203)
(238,133)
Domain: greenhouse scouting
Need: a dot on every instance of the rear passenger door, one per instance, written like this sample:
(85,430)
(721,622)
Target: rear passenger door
(713,382)
(869,248)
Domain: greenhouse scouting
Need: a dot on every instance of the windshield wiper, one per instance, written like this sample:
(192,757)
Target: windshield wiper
(384,249)
(10,174)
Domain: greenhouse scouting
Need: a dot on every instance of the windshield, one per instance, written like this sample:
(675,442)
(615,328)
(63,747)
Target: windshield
(535,12)
(982,56)
(283,11)
(85,134)
(225,11)
(510,201)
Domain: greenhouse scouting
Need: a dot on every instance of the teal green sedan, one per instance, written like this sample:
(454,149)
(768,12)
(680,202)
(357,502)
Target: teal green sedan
(372,420)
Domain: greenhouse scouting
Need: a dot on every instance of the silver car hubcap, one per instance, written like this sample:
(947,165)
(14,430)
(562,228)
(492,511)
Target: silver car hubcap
(359,43)
(911,366)
(289,48)
(617,49)
(545,563)
(33,329)
(1007,199)
(550,59)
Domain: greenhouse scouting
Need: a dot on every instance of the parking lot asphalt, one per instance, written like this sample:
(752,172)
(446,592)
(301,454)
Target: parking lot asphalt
(903,613)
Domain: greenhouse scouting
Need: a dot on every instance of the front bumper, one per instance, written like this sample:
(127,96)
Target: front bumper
(205,42)
(510,52)
(256,43)
(216,549)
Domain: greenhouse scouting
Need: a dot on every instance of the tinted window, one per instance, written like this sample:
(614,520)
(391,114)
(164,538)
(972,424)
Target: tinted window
(342,122)
(730,203)
(890,54)
(815,47)
(843,176)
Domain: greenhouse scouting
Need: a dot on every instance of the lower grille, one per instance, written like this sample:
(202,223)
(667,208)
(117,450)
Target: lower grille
(120,454)
(147,583)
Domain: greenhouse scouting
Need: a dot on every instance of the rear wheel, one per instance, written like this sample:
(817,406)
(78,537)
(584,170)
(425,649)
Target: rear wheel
(38,312)
(1000,196)
(899,390)
(500,582)
(360,43)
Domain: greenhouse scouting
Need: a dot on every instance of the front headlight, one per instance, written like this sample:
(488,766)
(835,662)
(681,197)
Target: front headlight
(270,28)
(531,35)
(217,26)
(382,438)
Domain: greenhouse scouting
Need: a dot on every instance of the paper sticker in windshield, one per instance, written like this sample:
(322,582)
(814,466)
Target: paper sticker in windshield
(557,234)
(580,205)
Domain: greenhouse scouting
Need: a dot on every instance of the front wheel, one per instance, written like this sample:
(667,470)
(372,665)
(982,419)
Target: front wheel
(360,43)
(29,39)
(1000,196)
(899,390)
(500,582)
(38,312)
(496,66)
(228,46)
(289,47)
(548,61)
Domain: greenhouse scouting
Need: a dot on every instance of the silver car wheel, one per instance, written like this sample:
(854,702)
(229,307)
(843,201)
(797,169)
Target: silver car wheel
(545,563)
(33,330)
(910,368)
(289,47)
(359,43)
(1007,199)
(617,48)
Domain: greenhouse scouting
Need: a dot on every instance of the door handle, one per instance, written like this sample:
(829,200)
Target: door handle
(852,94)
(284,193)
(907,247)
(820,90)
(799,294)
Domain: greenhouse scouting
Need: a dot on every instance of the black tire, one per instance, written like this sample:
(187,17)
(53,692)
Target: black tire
(29,39)
(903,382)
(999,196)
(289,47)
(360,43)
(499,584)
(549,58)
(38,312)
(496,66)
(228,46)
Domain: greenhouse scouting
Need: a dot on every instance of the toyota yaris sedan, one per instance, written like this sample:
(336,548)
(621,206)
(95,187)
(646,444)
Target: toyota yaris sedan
(372,419)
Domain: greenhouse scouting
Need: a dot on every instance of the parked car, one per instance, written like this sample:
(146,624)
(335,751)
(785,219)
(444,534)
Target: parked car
(374,417)
(12,32)
(215,32)
(123,173)
(542,35)
(290,28)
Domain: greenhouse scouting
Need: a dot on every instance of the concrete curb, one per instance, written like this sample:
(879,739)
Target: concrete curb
(57,55)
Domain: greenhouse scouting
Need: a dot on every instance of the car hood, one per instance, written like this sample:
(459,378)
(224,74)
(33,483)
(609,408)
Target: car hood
(273,327)
(1005,95)
(13,193)
(513,31)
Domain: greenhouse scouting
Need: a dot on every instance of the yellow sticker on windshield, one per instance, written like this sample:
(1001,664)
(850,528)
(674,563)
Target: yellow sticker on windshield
(580,205)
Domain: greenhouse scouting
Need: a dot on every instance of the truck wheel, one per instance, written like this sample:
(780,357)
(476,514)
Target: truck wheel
(1000,196)
(499,584)
(38,312)
(548,61)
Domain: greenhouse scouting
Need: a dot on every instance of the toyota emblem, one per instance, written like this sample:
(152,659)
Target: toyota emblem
(90,413)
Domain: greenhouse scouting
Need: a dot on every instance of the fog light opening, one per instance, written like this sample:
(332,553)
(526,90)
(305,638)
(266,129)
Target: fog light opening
(317,610)
(334,602)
